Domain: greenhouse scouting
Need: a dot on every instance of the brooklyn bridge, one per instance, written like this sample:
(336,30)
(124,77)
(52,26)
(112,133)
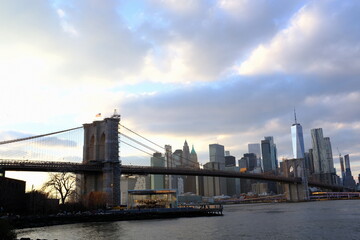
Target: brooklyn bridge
(100,168)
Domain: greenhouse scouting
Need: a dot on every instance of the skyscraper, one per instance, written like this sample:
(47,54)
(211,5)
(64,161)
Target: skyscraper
(217,155)
(342,166)
(157,181)
(190,183)
(255,148)
(230,161)
(269,154)
(297,139)
(193,158)
(169,179)
(186,155)
(329,156)
(248,161)
(319,152)
(266,155)
(348,180)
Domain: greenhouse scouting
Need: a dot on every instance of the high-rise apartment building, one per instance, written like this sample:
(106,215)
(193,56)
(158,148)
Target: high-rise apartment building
(297,139)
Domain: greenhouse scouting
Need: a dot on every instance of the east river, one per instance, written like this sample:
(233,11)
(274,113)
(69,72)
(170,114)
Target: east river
(308,220)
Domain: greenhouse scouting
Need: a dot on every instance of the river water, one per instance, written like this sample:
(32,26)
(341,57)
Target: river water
(307,220)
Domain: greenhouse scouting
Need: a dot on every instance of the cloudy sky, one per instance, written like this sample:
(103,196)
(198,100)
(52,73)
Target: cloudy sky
(217,71)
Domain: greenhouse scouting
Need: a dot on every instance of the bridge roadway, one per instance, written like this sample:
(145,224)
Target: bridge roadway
(49,166)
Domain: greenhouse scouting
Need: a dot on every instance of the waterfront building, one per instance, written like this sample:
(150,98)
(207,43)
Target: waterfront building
(12,195)
(160,198)
(297,139)
(157,181)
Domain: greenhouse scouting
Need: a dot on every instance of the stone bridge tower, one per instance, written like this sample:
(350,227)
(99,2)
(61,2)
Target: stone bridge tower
(296,168)
(101,146)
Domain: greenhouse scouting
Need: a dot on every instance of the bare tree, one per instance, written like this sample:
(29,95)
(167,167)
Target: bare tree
(61,183)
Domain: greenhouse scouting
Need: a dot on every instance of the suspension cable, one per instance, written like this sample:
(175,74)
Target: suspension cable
(144,145)
(142,136)
(37,136)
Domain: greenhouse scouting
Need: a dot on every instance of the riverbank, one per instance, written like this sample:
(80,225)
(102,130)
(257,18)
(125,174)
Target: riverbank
(20,222)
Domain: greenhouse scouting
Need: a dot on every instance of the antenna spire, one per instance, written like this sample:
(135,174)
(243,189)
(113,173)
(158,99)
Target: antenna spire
(295,115)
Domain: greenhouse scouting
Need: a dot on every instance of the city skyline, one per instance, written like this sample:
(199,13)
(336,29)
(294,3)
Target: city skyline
(227,72)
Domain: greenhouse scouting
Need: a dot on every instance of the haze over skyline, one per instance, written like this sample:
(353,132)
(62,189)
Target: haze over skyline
(226,71)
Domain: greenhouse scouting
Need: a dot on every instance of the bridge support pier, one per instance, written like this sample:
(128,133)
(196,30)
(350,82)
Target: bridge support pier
(296,191)
(101,145)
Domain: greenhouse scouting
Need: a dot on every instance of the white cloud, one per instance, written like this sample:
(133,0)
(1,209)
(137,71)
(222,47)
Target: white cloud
(315,42)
